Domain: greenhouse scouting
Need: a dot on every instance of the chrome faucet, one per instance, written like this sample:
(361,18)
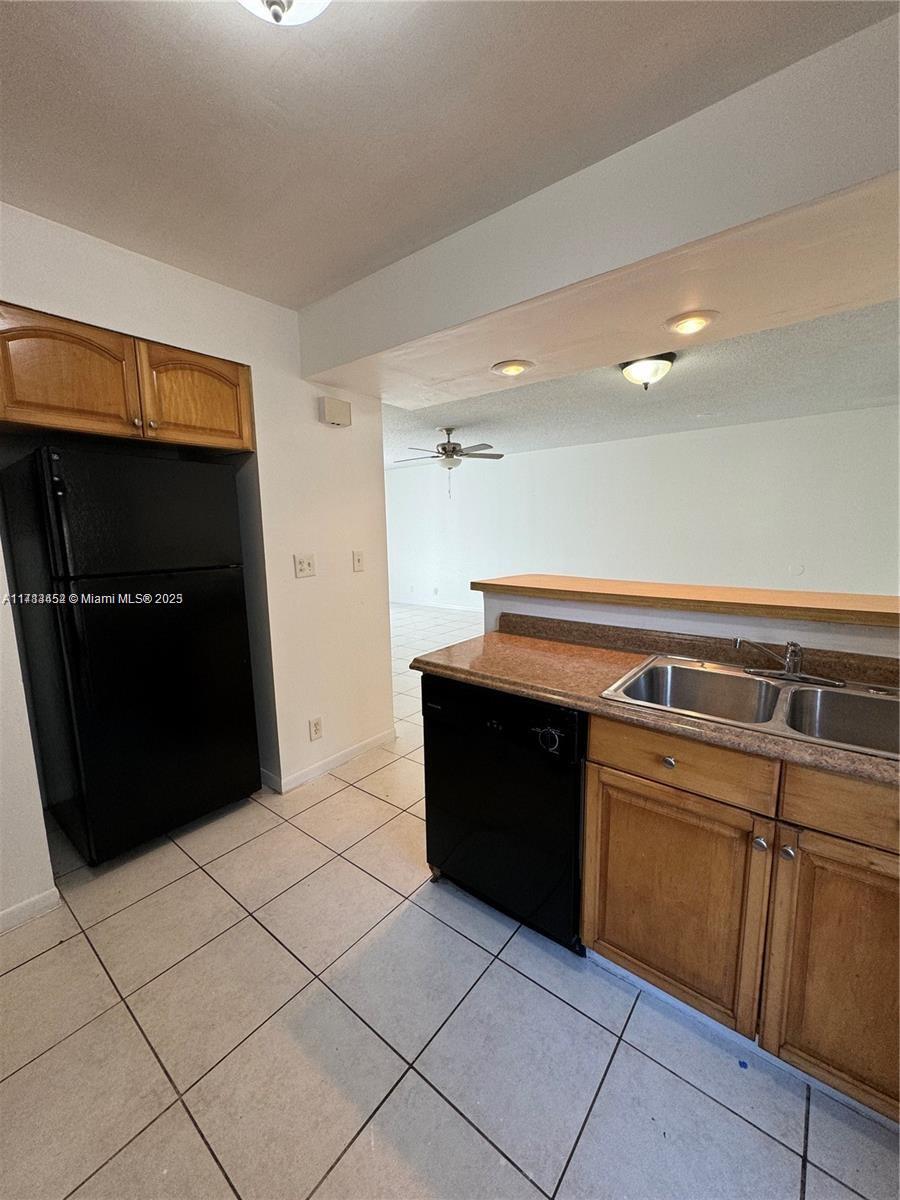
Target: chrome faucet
(791,666)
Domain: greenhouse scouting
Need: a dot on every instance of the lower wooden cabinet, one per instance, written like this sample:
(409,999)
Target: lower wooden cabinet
(676,890)
(830,1004)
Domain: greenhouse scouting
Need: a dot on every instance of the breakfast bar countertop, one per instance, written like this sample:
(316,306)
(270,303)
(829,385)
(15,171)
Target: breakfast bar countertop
(576,675)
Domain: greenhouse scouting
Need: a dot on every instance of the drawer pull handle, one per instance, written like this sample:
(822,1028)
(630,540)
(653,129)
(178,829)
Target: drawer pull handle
(789,853)
(136,421)
(669,761)
(760,843)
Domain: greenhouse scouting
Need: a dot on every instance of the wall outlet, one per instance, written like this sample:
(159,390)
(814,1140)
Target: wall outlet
(304,565)
(315,728)
(358,561)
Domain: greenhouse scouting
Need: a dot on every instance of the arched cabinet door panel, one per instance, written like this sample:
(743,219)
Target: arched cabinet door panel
(60,374)
(192,399)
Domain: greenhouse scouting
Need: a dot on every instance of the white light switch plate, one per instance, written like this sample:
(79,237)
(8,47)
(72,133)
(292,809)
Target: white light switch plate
(304,565)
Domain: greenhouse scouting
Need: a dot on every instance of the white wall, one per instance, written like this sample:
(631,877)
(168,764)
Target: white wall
(825,123)
(744,505)
(320,489)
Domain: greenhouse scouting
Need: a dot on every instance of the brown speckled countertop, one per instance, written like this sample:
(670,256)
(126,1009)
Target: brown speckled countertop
(576,676)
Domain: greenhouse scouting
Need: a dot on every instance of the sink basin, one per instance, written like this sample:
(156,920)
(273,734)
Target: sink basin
(853,719)
(709,693)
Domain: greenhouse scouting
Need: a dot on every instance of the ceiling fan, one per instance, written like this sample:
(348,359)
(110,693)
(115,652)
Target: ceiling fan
(451,453)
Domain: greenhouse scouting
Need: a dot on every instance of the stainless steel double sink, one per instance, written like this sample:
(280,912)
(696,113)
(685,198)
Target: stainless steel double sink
(853,717)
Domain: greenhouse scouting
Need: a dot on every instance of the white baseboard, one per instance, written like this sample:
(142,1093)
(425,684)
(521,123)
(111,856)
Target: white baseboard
(286,783)
(745,1043)
(27,910)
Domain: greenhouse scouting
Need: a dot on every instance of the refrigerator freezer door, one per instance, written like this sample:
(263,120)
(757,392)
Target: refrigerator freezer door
(162,700)
(117,513)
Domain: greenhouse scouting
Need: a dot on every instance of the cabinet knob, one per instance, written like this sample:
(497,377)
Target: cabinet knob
(136,421)
(153,424)
(760,843)
(789,853)
(669,761)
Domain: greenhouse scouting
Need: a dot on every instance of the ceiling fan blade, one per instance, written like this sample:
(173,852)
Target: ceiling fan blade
(421,449)
(422,458)
(482,455)
(480,446)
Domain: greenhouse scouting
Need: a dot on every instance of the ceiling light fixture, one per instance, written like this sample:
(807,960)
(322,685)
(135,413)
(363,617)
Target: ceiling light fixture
(647,370)
(691,322)
(512,367)
(285,12)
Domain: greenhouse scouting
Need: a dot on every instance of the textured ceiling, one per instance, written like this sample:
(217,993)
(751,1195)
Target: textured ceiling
(288,163)
(832,364)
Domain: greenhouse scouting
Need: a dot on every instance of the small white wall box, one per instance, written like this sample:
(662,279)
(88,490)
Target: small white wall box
(334,412)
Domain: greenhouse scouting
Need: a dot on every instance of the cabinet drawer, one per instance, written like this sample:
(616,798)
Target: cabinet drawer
(851,808)
(742,779)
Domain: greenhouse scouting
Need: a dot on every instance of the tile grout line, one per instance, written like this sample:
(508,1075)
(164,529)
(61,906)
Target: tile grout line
(805,1151)
(590,1108)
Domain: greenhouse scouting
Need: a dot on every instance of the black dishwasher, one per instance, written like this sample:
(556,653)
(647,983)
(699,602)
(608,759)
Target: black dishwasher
(503,796)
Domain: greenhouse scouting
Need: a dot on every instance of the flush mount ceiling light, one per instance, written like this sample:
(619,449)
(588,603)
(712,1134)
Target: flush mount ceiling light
(647,370)
(512,367)
(285,12)
(691,322)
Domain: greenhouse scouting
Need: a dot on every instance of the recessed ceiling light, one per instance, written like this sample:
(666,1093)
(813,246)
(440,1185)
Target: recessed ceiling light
(691,322)
(285,12)
(512,367)
(647,370)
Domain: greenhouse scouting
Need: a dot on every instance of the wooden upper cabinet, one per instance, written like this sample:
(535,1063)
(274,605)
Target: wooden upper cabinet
(676,890)
(58,374)
(831,1003)
(193,399)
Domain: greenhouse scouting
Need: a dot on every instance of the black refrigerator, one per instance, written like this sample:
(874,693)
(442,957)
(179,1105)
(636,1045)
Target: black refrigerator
(128,595)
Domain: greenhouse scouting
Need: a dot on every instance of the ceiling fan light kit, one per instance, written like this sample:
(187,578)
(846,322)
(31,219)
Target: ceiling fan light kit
(449,453)
(285,12)
(645,371)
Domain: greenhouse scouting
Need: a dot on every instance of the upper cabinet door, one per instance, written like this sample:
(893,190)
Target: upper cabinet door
(62,375)
(193,399)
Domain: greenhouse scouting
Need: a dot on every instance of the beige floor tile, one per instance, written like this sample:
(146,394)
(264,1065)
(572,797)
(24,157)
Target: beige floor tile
(416,718)
(201,1008)
(280,1109)
(417,1146)
(344,818)
(395,853)
(363,764)
(406,976)
(48,998)
(580,981)
(653,1136)
(34,937)
(304,796)
(67,1112)
(142,941)
(402,783)
(418,810)
(404,706)
(725,1069)
(524,1067)
(168,1161)
(259,870)
(857,1150)
(483,924)
(325,913)
(417,755)
(97,892)
(820,1186)
(407,738)
(222,830)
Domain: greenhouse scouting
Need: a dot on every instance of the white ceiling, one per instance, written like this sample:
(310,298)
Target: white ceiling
(835,363)
(289,163)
